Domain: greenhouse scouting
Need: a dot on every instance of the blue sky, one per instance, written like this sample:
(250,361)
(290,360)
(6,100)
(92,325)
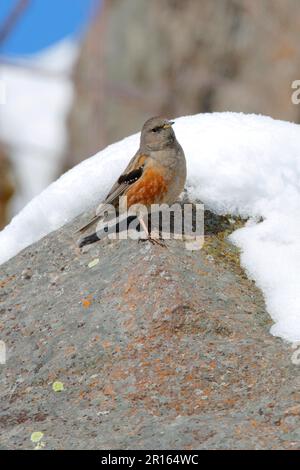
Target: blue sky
(44,23)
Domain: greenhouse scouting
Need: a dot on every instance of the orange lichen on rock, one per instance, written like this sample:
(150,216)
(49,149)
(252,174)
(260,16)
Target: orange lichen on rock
(86,303)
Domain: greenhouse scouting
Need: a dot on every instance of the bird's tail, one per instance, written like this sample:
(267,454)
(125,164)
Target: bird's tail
(88,225)
(89,240)
(115,228)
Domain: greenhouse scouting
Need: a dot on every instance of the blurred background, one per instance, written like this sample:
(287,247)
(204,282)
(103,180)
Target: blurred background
(77,75)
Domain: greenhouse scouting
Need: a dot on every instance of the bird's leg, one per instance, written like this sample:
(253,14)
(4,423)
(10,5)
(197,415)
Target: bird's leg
(154,241)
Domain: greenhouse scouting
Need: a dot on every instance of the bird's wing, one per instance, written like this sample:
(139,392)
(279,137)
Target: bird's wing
(130,175)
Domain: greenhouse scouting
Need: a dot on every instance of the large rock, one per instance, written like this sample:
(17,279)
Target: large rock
(155,347)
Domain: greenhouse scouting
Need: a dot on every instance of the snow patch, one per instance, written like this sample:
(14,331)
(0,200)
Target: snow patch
(32,120)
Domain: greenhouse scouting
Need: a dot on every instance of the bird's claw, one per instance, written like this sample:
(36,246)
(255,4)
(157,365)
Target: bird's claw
(154,241)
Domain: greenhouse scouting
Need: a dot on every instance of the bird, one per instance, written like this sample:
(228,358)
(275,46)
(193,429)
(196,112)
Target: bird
(155,175)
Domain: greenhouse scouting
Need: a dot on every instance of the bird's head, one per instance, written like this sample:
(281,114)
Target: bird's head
(157,133)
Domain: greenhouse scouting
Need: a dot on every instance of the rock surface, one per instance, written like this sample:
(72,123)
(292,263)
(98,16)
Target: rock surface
(155,347)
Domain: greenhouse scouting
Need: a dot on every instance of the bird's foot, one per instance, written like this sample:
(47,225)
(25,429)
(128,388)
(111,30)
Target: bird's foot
(154,241)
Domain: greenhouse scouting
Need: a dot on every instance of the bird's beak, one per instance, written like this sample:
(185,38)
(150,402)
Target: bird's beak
(169,124)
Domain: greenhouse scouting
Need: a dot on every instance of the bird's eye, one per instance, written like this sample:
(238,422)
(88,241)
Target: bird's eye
(157,129)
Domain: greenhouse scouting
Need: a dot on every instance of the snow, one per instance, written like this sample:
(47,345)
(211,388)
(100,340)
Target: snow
(33,116)
(238,164)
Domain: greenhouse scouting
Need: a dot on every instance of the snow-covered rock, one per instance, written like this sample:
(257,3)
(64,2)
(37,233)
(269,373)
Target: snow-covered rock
(238,164)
